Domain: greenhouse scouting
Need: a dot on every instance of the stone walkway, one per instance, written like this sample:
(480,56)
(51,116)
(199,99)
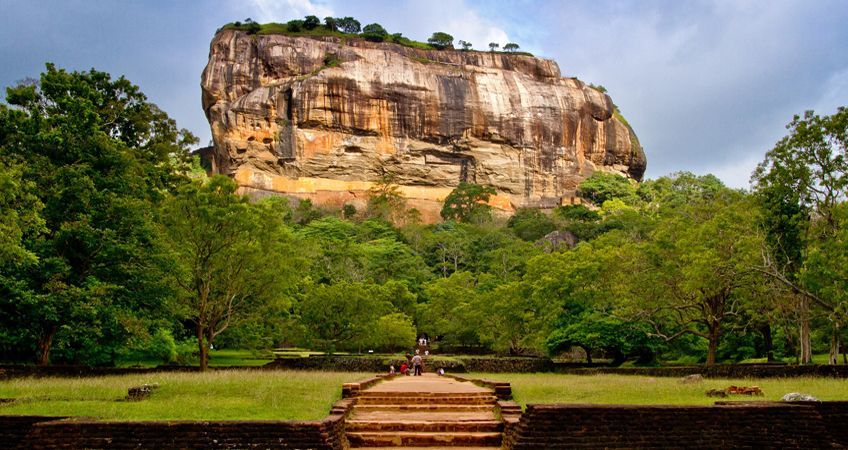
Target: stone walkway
(428,411)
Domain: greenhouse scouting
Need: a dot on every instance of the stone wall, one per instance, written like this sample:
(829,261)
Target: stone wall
(38,432)
(729,425)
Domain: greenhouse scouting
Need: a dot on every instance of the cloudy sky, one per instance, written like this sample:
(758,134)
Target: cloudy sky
(708,85)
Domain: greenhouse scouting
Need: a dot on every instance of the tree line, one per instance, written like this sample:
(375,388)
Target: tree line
(115,245)
(373,32)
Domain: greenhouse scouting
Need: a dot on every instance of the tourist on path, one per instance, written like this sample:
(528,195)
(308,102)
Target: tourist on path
(417,364)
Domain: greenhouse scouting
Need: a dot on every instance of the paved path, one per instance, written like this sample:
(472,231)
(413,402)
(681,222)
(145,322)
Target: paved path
(428,411)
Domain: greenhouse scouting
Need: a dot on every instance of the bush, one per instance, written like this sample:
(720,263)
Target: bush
(311,22)
(294,26)
(374,32)
(441,40)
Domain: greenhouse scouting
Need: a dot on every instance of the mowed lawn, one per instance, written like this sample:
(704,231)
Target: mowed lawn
(214,395)
(625,389)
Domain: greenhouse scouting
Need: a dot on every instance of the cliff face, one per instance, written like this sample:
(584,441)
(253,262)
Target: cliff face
(324,119)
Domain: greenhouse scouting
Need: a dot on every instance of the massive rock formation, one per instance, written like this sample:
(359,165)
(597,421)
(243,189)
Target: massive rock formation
(324,118)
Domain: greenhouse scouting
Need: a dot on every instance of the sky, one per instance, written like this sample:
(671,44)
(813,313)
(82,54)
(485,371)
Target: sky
(708,85)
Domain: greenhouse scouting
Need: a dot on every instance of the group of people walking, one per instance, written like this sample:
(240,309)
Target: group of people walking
(415,363)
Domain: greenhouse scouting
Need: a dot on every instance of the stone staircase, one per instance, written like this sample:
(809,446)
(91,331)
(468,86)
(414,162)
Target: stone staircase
(425,412)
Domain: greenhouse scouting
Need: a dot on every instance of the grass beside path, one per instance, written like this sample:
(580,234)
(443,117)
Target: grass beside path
(214,395)
(624,389)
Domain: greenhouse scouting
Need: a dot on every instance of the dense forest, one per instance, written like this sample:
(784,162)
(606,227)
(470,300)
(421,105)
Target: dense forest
(114,244)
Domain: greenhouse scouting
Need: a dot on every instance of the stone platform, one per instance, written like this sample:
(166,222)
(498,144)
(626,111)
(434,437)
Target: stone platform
(424,412)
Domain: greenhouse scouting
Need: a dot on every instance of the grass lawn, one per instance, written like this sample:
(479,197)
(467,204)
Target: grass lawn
(215,395)
(625,389)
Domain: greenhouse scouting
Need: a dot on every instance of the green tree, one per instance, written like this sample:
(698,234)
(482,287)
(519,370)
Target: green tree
(331,23)
(374,32)
(530,224)
(97,155)
(344,315)
(466,46)
(510,47)
(394,332)
(294,26)
(493,46)
(468,203)
(231,256)
(311,22)
(441,40)
(348,25)
(600,187)
(801,183)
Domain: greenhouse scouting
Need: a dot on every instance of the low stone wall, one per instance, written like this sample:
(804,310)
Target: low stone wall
(39,432)
(741,425)
(717,371)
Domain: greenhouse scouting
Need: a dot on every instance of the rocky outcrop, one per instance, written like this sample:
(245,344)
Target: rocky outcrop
(324,118)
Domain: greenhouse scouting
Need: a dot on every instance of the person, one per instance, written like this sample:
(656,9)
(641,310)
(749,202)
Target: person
(391,370)
(404,369)
(441,371)
(417,364)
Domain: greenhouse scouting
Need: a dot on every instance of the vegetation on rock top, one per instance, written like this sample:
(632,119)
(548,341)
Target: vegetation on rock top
(350,28)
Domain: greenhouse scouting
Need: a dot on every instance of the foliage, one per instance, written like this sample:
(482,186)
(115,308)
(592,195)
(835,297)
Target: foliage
(86,156)
(493,46)
(600,187)
(530,224)
(467,203)
(510,47)
(374,32)
(231,256)
(441,40)
(466,46)
(311,22)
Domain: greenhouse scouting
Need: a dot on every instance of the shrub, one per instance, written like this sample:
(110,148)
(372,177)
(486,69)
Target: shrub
(311,22)
(374,32)
(348,25)
(294,26)
(441,40)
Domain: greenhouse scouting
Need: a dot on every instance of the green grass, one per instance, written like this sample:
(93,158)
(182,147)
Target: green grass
(215,395)
(624,389)
(217,358)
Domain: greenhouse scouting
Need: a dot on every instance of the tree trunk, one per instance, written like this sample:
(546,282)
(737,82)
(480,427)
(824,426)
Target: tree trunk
(804,342)
(713,343)
(768,343)
(45,342)
(588,354)
(204,349)
(833,355)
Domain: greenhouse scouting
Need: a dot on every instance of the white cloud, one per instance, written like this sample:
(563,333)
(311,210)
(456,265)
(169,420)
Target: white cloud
(285,10)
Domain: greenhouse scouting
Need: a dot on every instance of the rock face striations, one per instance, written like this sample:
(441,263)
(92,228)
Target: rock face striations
(325,118)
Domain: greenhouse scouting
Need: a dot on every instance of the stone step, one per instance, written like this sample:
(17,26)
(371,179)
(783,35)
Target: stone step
(430,448)
(423,408)
(437,394)
(430,426)
(412,400)
(423,439)
(426,416)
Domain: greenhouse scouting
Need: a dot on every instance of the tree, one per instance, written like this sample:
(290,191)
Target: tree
(374,32)
(311,22)
(466,46)
(348,25)
(331,23)
(801,183)
(344,315)
(493,46)
(510,47)
(385,201)
(600,187)
(441,40)
(98,156)
(698,269)
(231,256)
(20,215)
(294,26)
(467,203)
(530,224)
(394,332)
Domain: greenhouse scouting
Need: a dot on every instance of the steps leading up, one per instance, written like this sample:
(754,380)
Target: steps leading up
(425,412)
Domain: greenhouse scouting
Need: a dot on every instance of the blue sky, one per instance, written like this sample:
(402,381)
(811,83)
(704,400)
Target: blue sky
(708,85)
